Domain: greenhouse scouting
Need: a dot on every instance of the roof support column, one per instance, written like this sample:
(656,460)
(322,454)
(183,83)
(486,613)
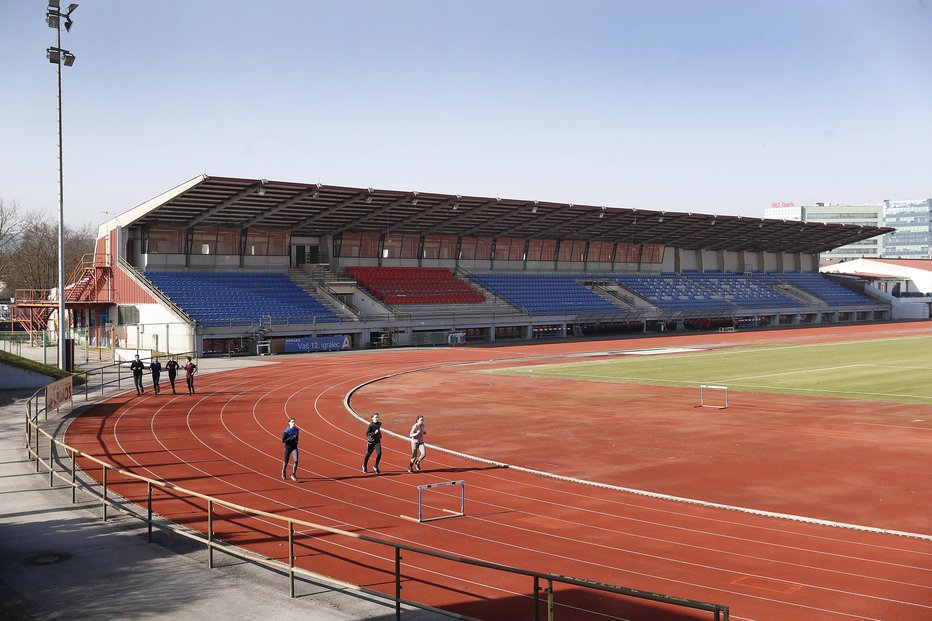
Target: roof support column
(188,243)
(242,246)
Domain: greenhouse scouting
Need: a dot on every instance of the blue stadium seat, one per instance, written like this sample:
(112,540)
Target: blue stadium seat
(821,287)
(547,294)
(240,297)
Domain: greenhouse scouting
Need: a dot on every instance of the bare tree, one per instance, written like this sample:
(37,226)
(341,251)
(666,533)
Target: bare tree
(11,226)
(34,262)
(79,242)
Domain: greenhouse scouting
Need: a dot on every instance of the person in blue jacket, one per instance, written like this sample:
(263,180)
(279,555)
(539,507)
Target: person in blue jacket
(290,440)
(156,368)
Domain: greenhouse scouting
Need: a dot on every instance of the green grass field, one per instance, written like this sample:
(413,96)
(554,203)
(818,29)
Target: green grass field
(896,369)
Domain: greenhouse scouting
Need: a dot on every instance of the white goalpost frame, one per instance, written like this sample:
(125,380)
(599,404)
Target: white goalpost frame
(702,399)
(420,505)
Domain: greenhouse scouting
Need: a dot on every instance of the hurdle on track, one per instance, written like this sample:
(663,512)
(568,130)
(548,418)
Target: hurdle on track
(704,400)
(420,503)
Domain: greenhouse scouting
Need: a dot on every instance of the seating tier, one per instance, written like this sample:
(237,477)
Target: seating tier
(416,285)
(240,297)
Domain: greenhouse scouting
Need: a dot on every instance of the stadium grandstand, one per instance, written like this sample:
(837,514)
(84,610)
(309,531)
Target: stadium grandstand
(223,265)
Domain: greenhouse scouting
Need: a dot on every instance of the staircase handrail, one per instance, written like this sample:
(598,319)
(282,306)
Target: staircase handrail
(322,286)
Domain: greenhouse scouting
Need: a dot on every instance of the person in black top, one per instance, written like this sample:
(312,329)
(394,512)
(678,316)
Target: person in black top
(156,367)
(137,366)
(373,443)
(172,367)
(290,440)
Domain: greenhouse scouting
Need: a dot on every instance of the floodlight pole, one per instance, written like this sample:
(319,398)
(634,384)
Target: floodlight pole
(61,222)
(55,14)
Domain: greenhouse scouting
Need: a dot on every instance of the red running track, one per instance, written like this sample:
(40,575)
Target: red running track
(225,442)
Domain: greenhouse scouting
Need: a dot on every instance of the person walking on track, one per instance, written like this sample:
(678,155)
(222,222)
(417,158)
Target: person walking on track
(418,449)
(172,367)
(189,370)
(137,366)
(156,368)
(373,443)
(290,440)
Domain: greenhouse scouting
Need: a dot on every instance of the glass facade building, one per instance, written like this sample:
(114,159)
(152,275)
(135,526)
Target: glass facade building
(913,223)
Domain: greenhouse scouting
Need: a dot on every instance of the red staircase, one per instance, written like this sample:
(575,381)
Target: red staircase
(33,307)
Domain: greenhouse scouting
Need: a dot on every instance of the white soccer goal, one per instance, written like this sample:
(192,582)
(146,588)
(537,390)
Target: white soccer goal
(713,396)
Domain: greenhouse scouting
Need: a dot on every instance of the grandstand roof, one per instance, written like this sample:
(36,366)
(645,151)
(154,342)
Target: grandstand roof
(315,210)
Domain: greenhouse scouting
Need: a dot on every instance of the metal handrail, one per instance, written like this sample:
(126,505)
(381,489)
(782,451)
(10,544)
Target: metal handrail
(107,500)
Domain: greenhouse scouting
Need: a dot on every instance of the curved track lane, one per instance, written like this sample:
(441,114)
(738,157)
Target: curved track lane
(225,442)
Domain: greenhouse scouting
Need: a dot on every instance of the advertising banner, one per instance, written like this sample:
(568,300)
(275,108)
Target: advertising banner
(316,343)
(57,393)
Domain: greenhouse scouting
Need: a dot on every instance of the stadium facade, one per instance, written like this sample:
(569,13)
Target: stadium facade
(228,265)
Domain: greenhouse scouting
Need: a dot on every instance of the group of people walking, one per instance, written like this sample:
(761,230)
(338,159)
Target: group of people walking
(373,445)
(155,367)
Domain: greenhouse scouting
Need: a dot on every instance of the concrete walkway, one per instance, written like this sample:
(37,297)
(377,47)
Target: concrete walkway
(62,561)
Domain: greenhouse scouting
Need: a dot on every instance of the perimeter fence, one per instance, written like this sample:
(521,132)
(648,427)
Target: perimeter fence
(212,521)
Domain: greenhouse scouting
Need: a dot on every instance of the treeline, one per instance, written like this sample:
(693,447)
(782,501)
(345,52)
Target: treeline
(29,248)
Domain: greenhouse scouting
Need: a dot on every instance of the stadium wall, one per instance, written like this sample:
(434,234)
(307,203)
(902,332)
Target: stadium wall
(163,262)
(674,260)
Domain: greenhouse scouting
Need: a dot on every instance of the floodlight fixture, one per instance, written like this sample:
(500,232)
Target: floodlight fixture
(68,57)
(54,55)
(53,20)
(54,4)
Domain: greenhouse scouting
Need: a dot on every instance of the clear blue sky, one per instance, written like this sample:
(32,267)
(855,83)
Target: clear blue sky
(709,106)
